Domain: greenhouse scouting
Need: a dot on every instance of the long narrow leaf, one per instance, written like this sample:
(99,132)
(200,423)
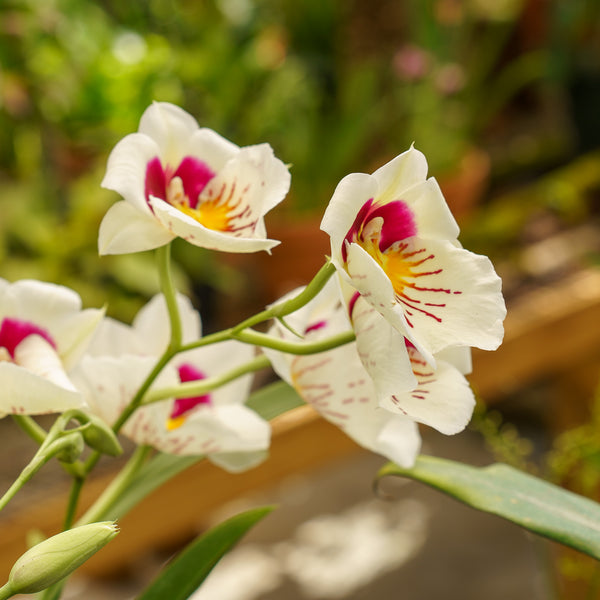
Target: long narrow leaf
(532,503)
(187,572)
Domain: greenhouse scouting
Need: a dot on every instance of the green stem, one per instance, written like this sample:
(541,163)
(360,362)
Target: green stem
(163,256)
(137,399)
(303,348)
(74,494)
(6,591)
(293,304)
(203,386)
(30,427)
(42,456)
(100,509)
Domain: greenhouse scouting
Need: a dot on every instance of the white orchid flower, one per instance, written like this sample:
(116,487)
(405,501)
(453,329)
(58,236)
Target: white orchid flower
(337,385)
(43,333)
(216,424)
(180,180)
(394,240)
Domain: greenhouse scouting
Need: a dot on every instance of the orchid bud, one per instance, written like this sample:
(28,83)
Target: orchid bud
(56,557)
(71,447)
(99,436)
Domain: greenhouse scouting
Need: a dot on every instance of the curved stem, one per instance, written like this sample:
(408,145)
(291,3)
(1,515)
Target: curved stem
(293,304)
(6,591)
(267,341)
(103,504)
(163,260)
(203,386)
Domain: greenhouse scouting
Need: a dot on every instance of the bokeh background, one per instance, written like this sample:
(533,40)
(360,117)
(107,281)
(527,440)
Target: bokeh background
(502,96)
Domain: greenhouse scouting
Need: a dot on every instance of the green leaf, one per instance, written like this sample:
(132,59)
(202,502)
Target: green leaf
(274,399)
(186,573)
(269,402)
(501,490)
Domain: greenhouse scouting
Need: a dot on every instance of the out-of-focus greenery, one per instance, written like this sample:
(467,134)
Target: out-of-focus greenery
(334,86)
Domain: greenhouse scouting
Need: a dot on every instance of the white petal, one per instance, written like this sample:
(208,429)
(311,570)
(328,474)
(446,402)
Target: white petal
(211,148)
(125,229)
(193,232)
(459,357)
(382,351)
(375,287)
(126,169)
(24,392)
(236,462)
(215,430)
(169,126)
(153,329)
(401,173)
(351,193)
(55,309)
(113,338)
(443,399)
(432,215)
(338,387)
(456,299)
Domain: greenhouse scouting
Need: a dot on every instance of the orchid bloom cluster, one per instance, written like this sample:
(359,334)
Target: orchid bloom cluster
(377,343)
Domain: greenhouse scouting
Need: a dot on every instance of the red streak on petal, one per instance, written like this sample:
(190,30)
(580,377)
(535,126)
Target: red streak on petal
(155,183)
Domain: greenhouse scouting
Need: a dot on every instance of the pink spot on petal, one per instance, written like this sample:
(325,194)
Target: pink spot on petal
(14,331)
(155,183)
(398,223)
(181,406)
(194,175)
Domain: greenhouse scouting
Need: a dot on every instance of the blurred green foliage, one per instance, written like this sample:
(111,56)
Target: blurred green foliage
(334,86)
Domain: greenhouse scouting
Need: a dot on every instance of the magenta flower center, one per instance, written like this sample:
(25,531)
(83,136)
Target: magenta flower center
(389,223)
(14,331)
(182,406)
(180,186)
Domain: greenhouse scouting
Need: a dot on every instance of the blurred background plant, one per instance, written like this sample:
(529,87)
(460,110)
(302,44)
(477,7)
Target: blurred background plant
(502,97)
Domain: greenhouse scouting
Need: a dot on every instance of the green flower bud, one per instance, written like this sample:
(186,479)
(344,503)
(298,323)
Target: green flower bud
(71,447)
(99,436)
(58,556)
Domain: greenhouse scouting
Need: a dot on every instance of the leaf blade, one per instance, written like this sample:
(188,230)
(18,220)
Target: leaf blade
(523,499)
(185,574)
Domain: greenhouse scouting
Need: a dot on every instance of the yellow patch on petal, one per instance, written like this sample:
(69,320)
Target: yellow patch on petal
(175,422)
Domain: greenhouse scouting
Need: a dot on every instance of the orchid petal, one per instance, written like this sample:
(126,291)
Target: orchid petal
(401,173)
(126,169)
(167,125)
(236,462)
(125,229)
(181,225)
(24,392)
(442,399)
(451,297)
(214,149)
(350,195)
(152,327)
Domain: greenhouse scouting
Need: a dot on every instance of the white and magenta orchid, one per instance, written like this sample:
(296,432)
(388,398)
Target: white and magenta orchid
(43,333)
(180,180)
(394,241)
(336,384)
(216,424)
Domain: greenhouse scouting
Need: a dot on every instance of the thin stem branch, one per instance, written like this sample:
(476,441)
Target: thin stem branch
(102,506)
(203,386)
(74,495)
(266,341)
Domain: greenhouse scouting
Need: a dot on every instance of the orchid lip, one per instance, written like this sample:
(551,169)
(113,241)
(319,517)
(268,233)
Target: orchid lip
(14,331)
